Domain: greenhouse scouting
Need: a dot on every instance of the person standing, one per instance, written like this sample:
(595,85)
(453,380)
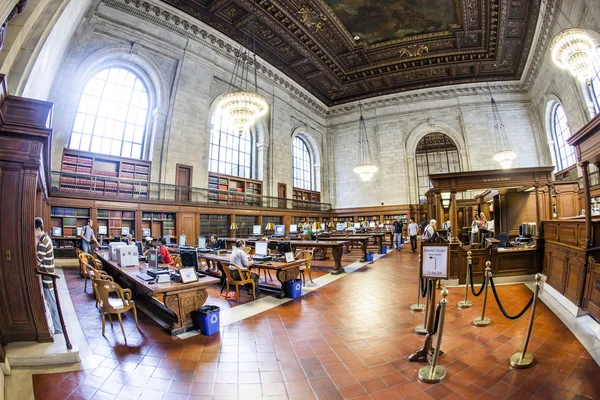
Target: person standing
(87,236)
(398,233)
(413,231)
(475,229)
(430,231)
(45,259)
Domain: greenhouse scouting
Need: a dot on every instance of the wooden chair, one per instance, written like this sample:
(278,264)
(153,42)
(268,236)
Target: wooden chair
(86,260)
(308,256)
(176,262)
(96,274)
(246,278)
(78,251)
(122,303)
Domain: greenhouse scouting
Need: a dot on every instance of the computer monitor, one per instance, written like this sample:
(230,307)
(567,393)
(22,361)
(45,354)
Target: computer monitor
(125,231)
(256,230)
(145,232)
(340,226)
(201,242)
(153,258)
(293,228)
(79,231)
(357,225)
(182,240)
(284,247)
(280,229)
(261,248)
(189,258)
(102,230)
(221,244)
(167,239)
(371,224)
(56,231)
(140,248)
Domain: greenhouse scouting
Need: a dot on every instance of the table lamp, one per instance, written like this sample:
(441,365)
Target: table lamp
(300,226)
(331,225)
(270,228)
(233,228)
(316,226)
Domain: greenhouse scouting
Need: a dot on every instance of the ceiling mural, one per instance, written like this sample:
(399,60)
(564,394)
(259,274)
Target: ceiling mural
(378,21)
(403,44)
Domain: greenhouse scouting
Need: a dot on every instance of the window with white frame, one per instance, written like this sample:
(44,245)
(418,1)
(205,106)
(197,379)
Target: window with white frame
(112,114)
(436,153)
(230,153)
(564,153)
(302,165)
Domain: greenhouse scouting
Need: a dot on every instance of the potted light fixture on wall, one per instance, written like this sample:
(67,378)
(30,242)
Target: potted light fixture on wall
(365,169)
(242,105)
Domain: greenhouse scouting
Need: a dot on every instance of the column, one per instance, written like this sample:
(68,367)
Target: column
(588,204)
(440,211)
(538,208)
(453,216)
(550,209)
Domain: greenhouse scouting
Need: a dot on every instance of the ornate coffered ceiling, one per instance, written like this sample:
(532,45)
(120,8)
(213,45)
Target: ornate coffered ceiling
(403,44)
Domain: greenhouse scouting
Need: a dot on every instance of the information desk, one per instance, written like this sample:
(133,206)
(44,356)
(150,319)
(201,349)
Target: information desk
(378,237)
(173,301)
(337,248)
(284,271)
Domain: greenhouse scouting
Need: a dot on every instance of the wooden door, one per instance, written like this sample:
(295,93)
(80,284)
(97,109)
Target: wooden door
(282,194)
(184,178)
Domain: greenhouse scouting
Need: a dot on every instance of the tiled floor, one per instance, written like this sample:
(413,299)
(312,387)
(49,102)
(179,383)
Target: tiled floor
(350,339)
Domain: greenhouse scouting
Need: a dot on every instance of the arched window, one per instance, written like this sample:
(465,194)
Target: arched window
(565,154)
(595,82)
(112,115)
(302,165)
(436,153)
(230,153)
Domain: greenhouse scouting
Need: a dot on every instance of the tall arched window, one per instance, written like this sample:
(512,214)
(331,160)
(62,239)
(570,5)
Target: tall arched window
(230,153)
(565,154)
(595,82)
(302,165)
(436,153)
(112,115)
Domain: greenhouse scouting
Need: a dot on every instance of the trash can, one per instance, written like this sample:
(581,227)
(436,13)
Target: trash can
(293,288)
(384,250)
(369,256)
(207,319)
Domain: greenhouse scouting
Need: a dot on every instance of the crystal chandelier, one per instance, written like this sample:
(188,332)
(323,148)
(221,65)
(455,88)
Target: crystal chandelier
(573,49)
(365,169)
(504,156)
(243,105)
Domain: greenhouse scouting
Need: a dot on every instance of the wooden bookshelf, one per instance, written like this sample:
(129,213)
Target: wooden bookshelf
(306,195)
(240,191)
(160,224)
(115,221)
(68,219)
(211,224)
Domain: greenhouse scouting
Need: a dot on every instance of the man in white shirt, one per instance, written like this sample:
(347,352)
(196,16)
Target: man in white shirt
(413,231)
(242,260)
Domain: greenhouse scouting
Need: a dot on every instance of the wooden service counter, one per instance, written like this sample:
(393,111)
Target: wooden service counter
(569,268)
(173,302)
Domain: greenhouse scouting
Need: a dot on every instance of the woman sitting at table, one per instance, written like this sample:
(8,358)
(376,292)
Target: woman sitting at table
(162,250)
(242,260)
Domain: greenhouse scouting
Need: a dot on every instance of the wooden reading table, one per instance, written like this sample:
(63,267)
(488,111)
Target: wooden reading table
(174,300)
(285,271)
(337,248)
(378,237)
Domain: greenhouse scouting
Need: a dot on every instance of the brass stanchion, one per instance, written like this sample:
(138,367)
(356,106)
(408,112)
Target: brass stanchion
(466,303)
(522,359)
(422,329)
(484,321)
(427,348)
(418,306)
(434,373)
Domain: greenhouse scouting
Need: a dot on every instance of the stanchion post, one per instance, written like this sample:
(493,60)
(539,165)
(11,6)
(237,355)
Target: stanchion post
(483,320)
(418,306)
(466,303)
(434,373)
(523,359)
(422,330)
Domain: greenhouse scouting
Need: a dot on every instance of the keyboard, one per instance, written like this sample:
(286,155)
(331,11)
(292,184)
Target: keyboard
(145,277)
(261,258)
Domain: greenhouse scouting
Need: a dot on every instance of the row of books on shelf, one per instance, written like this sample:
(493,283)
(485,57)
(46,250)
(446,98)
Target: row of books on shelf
(77,160)
(158,216)
(70,212)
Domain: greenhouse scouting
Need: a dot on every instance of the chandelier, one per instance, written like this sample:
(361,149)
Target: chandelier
(365,169)
(504,155)
(242,105)
(573,50)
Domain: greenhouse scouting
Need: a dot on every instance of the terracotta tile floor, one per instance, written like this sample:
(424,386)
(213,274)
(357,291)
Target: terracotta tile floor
(350,339)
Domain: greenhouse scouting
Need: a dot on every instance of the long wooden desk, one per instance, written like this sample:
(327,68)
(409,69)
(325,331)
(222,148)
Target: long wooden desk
(283,271)
(337,248)
(176,301)
(377,236)
(363,240)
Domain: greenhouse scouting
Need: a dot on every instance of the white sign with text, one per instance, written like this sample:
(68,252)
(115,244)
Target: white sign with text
(435,262)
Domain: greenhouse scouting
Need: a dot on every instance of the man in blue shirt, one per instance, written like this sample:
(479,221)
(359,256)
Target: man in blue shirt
(398,233)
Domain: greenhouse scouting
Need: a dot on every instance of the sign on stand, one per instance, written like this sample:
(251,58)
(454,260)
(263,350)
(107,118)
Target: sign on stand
(435,258)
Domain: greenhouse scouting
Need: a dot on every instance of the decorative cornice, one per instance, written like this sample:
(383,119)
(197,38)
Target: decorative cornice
(216,42)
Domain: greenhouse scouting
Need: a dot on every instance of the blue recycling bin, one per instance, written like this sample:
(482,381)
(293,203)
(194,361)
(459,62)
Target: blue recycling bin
(293,288)
(208,320)
(384,250)
(369,256)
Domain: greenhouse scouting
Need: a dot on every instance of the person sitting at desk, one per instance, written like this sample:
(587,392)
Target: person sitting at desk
(162,250)
(213,243)
(242,260)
